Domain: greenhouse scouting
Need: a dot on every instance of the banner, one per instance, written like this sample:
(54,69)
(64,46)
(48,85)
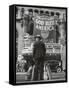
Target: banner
(44,23)
(45,26)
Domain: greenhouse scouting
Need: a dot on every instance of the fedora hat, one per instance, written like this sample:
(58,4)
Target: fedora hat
(38,36)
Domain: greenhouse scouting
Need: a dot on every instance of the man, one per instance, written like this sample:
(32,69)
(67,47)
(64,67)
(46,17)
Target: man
(39,51)
(30,22)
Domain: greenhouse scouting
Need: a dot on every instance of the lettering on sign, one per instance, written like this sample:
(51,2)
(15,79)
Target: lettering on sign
(43,23)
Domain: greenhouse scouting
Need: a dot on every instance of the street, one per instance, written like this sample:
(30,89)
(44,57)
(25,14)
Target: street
(20,77)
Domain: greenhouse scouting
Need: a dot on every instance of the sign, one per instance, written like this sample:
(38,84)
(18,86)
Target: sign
(44,23)
(53,48)
(45,26)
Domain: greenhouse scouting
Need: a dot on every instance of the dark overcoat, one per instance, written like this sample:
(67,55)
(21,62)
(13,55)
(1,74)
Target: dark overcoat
(39,50)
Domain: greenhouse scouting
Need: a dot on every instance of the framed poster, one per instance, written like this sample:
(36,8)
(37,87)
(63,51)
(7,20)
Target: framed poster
(37,44)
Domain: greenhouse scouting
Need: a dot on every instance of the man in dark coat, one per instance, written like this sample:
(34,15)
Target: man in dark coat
(39,51)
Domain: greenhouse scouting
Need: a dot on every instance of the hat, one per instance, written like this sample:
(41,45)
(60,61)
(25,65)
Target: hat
(57,13)
(30,10)
(52,13)
(36,11)
(47,13)
(38,36)
(41,11)
(22,10)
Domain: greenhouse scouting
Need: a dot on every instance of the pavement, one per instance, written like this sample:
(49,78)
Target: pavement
(21,77)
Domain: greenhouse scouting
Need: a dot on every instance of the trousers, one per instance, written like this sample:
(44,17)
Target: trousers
(39,69)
